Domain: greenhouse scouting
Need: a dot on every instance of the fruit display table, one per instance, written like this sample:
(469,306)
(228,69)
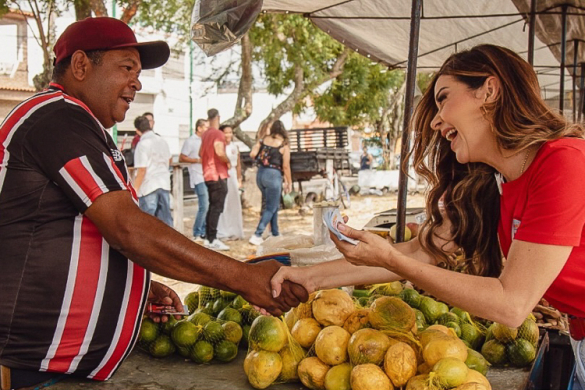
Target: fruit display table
(142,372)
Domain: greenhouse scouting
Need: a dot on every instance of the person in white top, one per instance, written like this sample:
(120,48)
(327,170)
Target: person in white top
(231,225)
(153,182)
(190,154)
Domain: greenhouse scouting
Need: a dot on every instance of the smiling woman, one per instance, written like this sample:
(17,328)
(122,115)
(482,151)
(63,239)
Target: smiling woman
(482,117)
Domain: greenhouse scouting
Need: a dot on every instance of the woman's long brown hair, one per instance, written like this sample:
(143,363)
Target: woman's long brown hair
(520,119)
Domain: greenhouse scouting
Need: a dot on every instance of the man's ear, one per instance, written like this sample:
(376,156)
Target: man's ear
(80,65)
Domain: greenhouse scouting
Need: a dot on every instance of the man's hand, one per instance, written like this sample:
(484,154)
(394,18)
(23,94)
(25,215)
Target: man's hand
(161,294)
(259,291)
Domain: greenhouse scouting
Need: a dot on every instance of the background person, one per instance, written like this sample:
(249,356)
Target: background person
(483,116)
(231,224)
(190,154)
(73,243)
(215,173)
(152,159)
(366,160)
(272,154)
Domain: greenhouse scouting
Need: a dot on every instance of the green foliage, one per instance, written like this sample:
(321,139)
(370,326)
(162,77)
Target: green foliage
(171,16)
(282,42)
(358,96)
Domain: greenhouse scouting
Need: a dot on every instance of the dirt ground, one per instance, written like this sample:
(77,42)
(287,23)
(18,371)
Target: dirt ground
(291,221)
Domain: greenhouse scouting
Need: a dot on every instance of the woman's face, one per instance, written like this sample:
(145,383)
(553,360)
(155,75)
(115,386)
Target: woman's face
(229,134)
(460,119)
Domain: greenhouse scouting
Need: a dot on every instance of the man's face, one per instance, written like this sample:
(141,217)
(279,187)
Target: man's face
(109,88)
(204,126)
(150,120)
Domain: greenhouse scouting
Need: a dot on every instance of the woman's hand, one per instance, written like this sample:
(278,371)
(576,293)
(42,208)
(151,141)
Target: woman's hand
(371,250)
(294,274)
(287,187)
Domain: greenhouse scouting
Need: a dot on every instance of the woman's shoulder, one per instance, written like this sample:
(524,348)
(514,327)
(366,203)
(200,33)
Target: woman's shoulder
(562,152)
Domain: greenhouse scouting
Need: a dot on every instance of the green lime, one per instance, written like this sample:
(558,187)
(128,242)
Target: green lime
(494,352)
(162,347)
(238,302)
(432,309)
(411,296)
(219,305)
(225,351)
(213,332)
(472,335)
(167,327)
(521,352)
(185,333)
(233,331)
(455,326)
(476,361)
(249,314)
(246,333)
(201,352)
(448,317)
(149,331)
(230,314)
(192,301)
(184,352)
(227,295)
(199,318)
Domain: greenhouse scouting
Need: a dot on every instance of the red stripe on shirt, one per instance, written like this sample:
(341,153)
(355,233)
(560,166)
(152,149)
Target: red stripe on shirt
(86,283)
(17,115)
(130,323)
(121,177)
(84,178)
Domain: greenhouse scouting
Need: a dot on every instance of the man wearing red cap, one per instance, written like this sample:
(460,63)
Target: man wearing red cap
(75,265)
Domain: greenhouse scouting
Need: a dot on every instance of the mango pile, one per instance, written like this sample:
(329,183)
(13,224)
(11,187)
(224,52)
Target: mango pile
(361,348)
(218,322)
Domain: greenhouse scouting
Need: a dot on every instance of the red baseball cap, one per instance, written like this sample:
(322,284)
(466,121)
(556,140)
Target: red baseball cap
(106,34)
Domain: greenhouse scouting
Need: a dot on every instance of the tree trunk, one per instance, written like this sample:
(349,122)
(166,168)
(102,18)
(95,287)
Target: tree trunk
(299,91)
(130,11)
(82,9)
(41,80)
(243,108)
(98,7)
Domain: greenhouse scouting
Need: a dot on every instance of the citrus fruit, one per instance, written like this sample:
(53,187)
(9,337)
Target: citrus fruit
(331,345)
(262,368)
(338,377)
(246,333)
(233,332)
(161,347)
(213,332)
(411,296)
(219,304)
(367,346)
(225,351)
(312,372)
(448,317)
(167,327)
(494,352)
(291,357)
(400,363)
(455,326)
(148,331)
(432,309)
(305,331)
(199,318)
(369,377)
(357,320)
(450,372)
(268,333)
(472,335)
(230,314)
(504,333)
(238,302)
(529,331)
(476,361)
(201,352)
(184,352)
(521,352)
(185,333)
(249,314)
(192,301)
(227,295)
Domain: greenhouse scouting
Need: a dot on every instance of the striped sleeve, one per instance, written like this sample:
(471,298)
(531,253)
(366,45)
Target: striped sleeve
(73,152)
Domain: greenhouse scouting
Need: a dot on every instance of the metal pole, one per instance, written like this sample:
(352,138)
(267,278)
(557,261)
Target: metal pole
(575,59)
(563,55)
(531,30)
(581,92)
(408,107)
(190,88)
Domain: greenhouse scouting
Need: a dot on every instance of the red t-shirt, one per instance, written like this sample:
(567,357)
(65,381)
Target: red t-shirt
(214,168)
(546,205)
